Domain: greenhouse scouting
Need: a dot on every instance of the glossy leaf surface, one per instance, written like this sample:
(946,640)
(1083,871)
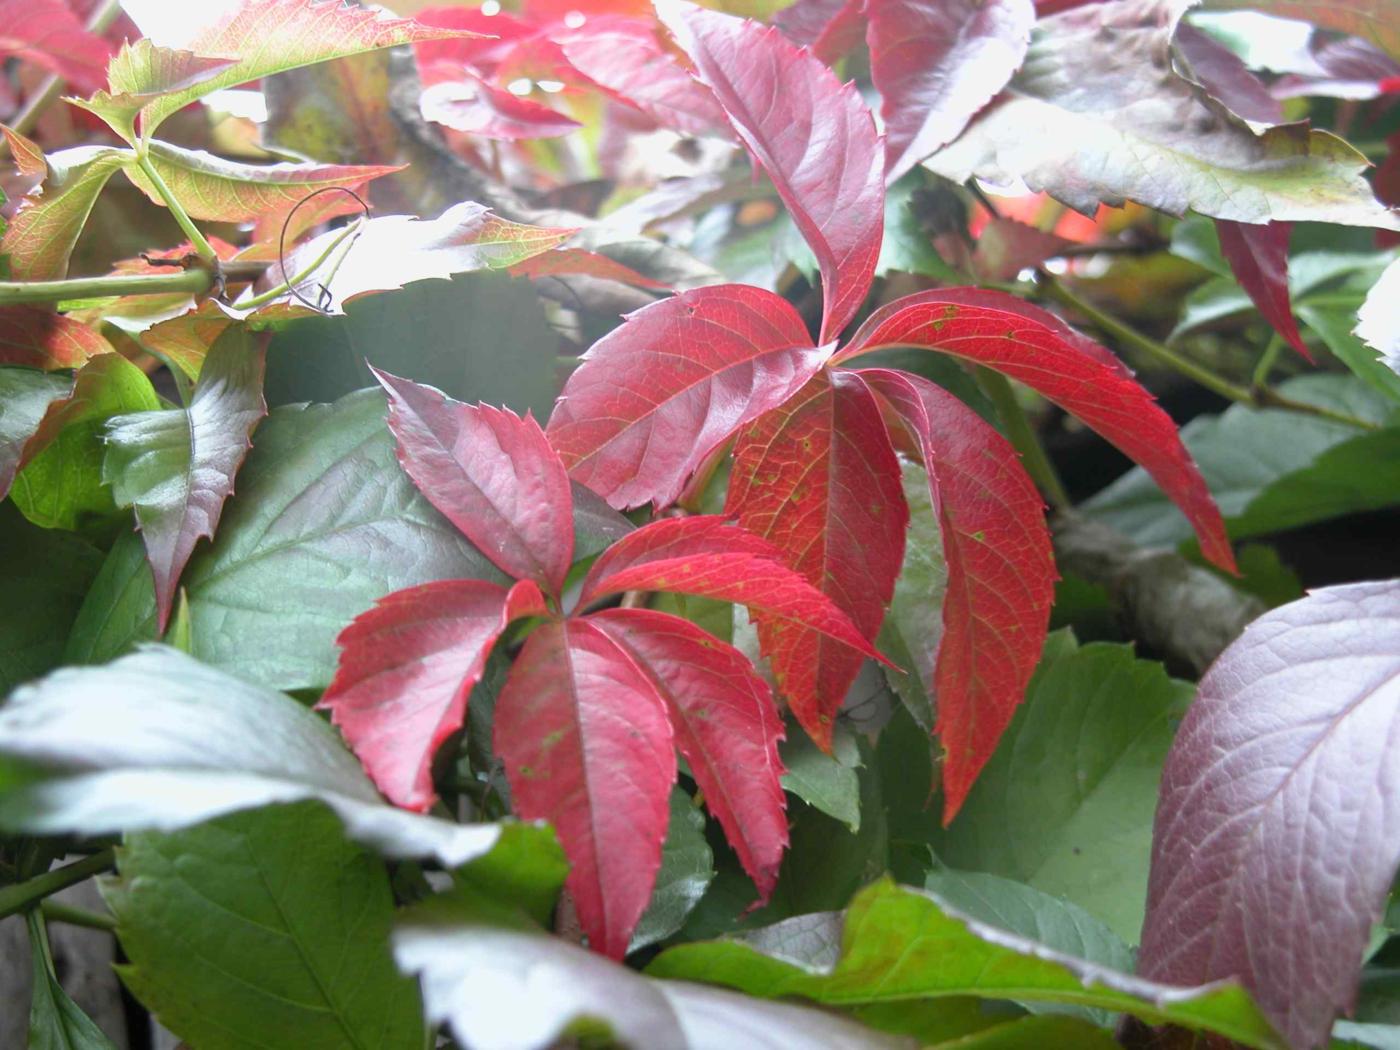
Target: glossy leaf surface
(813,135)
(659,393)
(1275,838)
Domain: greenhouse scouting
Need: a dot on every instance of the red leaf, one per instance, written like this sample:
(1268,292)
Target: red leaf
(1277,832)
(656,395)
(818,478)
(565,262)
(471,105)
(1258,257)
(587,747)
(1005,247)
(1031,346)
(726,726)
(712,558)
(1225,77)
(829,28)
(936,63)
(43,339)
(406,669)
(492,474)
(813,135)
(499,32)
(46,33)
(1001,572)
(624,58)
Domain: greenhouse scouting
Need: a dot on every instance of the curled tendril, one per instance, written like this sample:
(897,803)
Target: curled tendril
(323,293)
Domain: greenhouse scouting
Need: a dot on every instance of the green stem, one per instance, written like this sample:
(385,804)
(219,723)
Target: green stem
(201,245)
(26,894)
(306,272)
(196,282)
(1260,379)
(49,91)
(56,911)
(1024,437)
(1258,397)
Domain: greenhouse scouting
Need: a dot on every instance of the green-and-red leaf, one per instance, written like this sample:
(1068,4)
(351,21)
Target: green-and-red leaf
(37,338)
(726,726)
(655,396)
(492,474)
(1001,572)
(587,746)
(41,235)
(1038,349)
(813,135)
(818,478)
(406,669)
(48,34)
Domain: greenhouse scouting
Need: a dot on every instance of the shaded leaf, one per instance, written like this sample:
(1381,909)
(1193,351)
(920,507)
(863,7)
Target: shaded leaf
(268,924)
(563,262)
(826,782)
(475,107)
(1333,326)
(26,397)
(898,944)
(1225,77)
(35,338)
(687,867)
(726,726)
(829,28)
(653,398)
(936,64)
(1258,256)
(406,669)
(492,474)
(56,1022)
(1275,811)
(819,480)
(41,234)
(176,467)
(159,741)
(1036,348)
(787,107)
(1097,115)
(587,746)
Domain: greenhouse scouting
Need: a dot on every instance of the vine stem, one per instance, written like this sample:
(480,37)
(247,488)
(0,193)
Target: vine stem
(194,281)
(201,244)
(349,233)
(56,911)
(52,87)
(26,894)
(1257,396)
(1024,438)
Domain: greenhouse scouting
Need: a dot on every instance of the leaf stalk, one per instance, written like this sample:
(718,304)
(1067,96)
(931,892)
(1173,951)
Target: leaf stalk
(25,894)
(177,210)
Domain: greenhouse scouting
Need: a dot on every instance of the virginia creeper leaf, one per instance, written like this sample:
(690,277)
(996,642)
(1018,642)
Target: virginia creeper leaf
(612,52)
(266,923)
(936,64)
(1275,840)
(1001,573)
(25,397)
(50,35)
(1081,377)
(1098,115)
(391,251)
(210,187)
(587,746)
(177,466)
(1372,20)
(492,474)
(814,137)
(563,262)
(1378,321)
(1258,257)
(36,338)
(41,234)
(140,73)
(818,478)
(658,394)
(687,869)
(1225,77)
(829,28)
(475,107)
(406,669)
(726,727)
(272,36)
(28,157)
(895,943)
(159,741)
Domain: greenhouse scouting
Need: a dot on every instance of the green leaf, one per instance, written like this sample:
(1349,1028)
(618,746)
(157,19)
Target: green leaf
(1334,327)
(25,397)
(270,36)
(1098,114)
(324,523)
(56,1022)
(897,943)
(41,235)
(62,486)
(828,783)
(43,579)
(907,247)
(140,73)
(264,928)
(495,981)
(480,337)
(1065,805)
(687,868)
(159,741)
(1269,469)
